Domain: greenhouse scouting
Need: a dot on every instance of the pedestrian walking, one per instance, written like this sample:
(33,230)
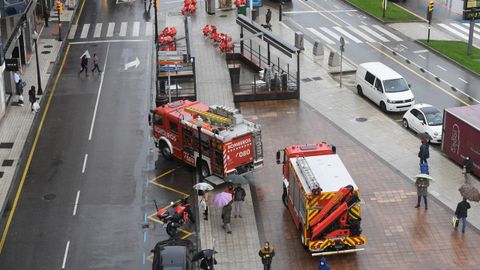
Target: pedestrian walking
(32,96)
(461,212)
(46,16)
(268,17)
(84,64)
(205,202)
(424,152)
(95,64)
(208,263)
(266,253)
(422,190)
(230,190)
(467,168)
(226,217)
(239,198)
(323,265)
(19,84)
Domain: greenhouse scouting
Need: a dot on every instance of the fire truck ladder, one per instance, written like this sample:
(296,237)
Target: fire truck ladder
(308,174)
(209,115)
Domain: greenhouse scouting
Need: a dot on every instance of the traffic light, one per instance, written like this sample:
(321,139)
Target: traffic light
(59,7)
(156,5)
(430,6)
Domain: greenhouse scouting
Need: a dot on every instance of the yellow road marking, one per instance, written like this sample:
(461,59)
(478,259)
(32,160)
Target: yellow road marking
(163,174)
(32,152)
(169,188)
(425,79)
(81,10)
(320,13)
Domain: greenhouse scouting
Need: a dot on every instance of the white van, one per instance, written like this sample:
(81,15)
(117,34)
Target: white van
(385,87)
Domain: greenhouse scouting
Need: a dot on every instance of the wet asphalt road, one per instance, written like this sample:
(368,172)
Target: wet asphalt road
(86,199)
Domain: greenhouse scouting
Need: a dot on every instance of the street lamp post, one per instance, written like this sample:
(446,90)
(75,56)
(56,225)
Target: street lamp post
(39,79)
(199,162)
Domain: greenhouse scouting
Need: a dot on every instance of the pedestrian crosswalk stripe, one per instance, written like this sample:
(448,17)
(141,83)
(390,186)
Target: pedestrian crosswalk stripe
(72,32)
(388,33)
(320,35)
(111,27)
(475,29)
(136,29)
(335,36)
(361,34)
(98,30)
(85,29)
(123,29)
(148,29)
(348,35)
(465,30)
(373,33)
(453,31)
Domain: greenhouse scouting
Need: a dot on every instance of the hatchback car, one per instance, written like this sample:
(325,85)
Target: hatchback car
(425,119)
(173,254)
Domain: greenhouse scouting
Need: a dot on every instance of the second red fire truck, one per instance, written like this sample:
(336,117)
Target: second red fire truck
(229,143)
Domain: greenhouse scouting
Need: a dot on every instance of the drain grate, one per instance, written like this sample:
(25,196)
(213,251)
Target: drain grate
(306,80)
(47,46)
(6,145)
(1,174)
(361,119)
(7,163)
(223,15)
(46,52)
(318,78)
(49,197)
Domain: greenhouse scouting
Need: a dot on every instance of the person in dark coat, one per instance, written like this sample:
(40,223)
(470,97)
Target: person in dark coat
(422,190)
(323,265)
(84,64)
(226,217)
(266,253)
(461,212)
(424,152)
(46,16)
(467,168)
(239,198)
(32,96)
(268,17)
(208,263)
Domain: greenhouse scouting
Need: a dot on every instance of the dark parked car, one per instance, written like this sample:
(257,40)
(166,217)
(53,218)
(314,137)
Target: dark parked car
(173,254)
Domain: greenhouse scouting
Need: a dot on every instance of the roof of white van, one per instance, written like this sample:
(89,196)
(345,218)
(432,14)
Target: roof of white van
(380,70)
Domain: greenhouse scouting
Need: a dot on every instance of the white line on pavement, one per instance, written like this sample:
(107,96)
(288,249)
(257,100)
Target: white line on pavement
(111,27)
(462,80)
(98,30)
(148,29)
(73,29)
(320,35)
(66,254)
(349,14)
(448,28)
(99,92)
(335,36)
(421,51)
(348,35)
(123,29)
(388,33)
(84,163)
(442,68)
(373,33)
(468,25)
(406,48)
(85,29)
(76,203)
(136,29)
(360,33)
(421,56)
(108,41)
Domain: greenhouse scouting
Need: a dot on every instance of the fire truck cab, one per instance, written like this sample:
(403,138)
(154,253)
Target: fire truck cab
(322,199)
(229,143)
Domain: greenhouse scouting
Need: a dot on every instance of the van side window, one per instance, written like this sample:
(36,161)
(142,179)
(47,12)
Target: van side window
(173,127)
(378,85)
(369,78)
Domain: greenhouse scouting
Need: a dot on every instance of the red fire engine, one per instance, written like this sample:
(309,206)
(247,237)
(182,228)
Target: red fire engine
(229,143)
(322,198)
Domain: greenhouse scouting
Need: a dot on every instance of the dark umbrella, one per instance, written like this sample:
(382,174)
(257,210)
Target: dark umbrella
(203,254)
(236,179)
(469,192)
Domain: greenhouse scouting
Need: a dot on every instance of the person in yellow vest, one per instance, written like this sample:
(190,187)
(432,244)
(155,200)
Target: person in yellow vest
(266,253)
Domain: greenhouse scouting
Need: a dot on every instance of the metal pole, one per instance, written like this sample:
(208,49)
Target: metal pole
(251,9)
(280,10)
(199,165)
(169,88)
(59,27)
(268,52)
(470,37)
(383,8)
(298,73)
(39,79)
(155,41)
(341,60)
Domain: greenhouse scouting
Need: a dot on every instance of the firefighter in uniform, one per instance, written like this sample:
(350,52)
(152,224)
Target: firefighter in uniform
(266,253)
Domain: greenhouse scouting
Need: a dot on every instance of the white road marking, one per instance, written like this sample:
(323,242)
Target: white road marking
(84,163)
(442,68)
(99,92)
(136,29)
(373,33)
(111,27)
(462,80)
(331,33)
(85,29)
(349,14)
(348,35)
(320,35)
(421,56)
(148,28)
(364,22)
(459,27)
(448,28)
(335,6)
(98,30)
(72,32)
(406,48)
(475,29)
(76,203)
(421,51)
(66,254)
(388,33)
(109,41)
(123,29)
(360,33)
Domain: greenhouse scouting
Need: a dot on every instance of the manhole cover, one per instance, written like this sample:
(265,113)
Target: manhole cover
(306,80)
(223,15)
(48,46)
(49,197)
(45,52)
(361,119)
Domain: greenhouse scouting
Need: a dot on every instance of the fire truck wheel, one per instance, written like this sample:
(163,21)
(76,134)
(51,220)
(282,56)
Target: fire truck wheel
(204,169)
(302,238)
(165,150)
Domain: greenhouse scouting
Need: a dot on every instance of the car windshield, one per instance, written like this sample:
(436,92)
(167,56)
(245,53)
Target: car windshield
(433,115)
(395,85)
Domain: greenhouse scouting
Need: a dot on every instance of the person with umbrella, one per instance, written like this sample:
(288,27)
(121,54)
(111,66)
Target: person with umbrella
(208,258)
(422,182)
(461,212)
(205,197)
(208,263)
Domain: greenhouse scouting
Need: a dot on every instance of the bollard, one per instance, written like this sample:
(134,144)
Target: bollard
(280,9)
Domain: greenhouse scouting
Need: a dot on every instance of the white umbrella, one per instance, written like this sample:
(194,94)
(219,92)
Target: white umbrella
(423,175)
(203,186)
